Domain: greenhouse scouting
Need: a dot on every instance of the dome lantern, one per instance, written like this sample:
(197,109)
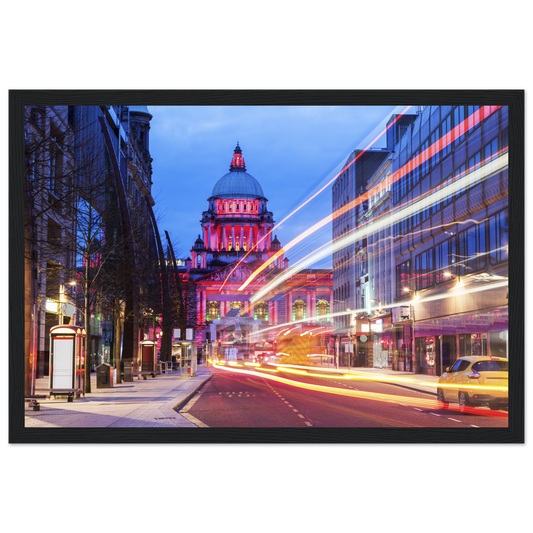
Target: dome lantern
(237,162)
(237,183)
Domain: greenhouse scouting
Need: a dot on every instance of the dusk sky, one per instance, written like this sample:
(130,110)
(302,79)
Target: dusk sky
(291,151)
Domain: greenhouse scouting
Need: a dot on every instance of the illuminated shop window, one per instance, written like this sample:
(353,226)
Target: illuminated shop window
(236,305)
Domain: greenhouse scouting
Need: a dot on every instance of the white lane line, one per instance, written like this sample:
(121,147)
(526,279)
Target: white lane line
(472,425)
(454,419)
(295,410)
(309,423)
(301,416)
(417,409)
(434,414)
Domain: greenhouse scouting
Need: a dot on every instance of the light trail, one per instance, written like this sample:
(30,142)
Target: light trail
(468,180)
(441,143)
(274,228)
(378,397)
(449,294)
(451,181)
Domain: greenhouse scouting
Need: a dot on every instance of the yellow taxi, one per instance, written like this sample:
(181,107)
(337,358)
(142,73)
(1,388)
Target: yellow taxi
(476,381)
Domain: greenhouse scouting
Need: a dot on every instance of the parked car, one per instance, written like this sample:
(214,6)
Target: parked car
(466,378)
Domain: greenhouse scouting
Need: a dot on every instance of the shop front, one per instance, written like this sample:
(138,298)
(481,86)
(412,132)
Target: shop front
(441,341)
(381,336)
(403,358)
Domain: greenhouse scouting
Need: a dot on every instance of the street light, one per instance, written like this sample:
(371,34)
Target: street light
(352,337)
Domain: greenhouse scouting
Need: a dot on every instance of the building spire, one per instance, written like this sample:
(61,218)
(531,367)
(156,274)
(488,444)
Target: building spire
(237,162)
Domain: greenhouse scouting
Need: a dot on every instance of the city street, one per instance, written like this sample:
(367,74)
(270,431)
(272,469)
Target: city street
(232,399)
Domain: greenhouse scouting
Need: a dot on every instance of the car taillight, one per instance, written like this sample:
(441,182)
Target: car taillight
(473,375)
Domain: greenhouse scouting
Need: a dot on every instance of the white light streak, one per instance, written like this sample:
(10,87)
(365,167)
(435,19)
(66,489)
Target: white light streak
(469,180)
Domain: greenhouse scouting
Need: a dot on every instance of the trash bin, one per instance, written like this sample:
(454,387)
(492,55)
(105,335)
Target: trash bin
(128,371)
(104,376)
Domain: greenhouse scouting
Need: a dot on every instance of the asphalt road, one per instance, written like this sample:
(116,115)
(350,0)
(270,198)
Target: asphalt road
(231,399)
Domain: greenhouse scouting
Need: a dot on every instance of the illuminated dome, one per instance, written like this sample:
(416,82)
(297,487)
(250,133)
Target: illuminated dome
(237,183)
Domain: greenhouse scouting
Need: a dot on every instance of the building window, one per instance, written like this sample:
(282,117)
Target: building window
(499,237)
(435,142)
(473,164)
(446,127)
(322,310)
(471,110)
(299,310)
(403,275)
(490,150)
(261,311)
(424,270)
(458,122)
(472,249)
(459,174)
(236,305)
(445,261)
(424,167)
(416,170)
(213,310)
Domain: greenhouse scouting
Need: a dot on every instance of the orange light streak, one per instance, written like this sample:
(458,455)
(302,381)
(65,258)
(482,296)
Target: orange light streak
(412,206)
(278,254)
(364,395)
(441,143)
(429,152)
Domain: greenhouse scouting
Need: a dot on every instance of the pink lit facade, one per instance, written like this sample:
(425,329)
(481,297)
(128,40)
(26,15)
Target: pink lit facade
(236,238)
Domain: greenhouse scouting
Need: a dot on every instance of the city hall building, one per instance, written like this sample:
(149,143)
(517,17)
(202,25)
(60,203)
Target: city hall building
(236,239)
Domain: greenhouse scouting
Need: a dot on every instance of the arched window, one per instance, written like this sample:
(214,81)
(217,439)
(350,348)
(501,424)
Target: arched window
(299,310)
(322,310)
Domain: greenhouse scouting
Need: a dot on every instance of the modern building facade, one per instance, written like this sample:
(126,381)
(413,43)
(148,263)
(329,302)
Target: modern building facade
(351,278)
(436,250)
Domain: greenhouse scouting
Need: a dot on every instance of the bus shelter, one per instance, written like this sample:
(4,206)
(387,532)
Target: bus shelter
(184,358)
(67,357)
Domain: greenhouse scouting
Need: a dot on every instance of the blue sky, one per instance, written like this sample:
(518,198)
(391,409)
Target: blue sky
(291,151)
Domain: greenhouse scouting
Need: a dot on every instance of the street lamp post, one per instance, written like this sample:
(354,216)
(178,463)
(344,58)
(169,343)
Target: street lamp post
(371,336)
(352,336)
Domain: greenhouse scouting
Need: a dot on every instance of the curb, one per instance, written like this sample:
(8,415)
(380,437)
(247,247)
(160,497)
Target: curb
(186,398)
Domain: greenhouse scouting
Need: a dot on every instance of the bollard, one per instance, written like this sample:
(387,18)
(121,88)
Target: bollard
(36,406)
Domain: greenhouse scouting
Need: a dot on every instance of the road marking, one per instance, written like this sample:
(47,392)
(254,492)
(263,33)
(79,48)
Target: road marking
(295,410)
(472,425)
(435,414)
(417,409)
(194,420)
(454,419)
(190,404)
(308,423)
(301,416)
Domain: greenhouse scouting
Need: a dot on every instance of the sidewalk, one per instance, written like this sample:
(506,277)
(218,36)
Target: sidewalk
(153,402)
(141,403)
